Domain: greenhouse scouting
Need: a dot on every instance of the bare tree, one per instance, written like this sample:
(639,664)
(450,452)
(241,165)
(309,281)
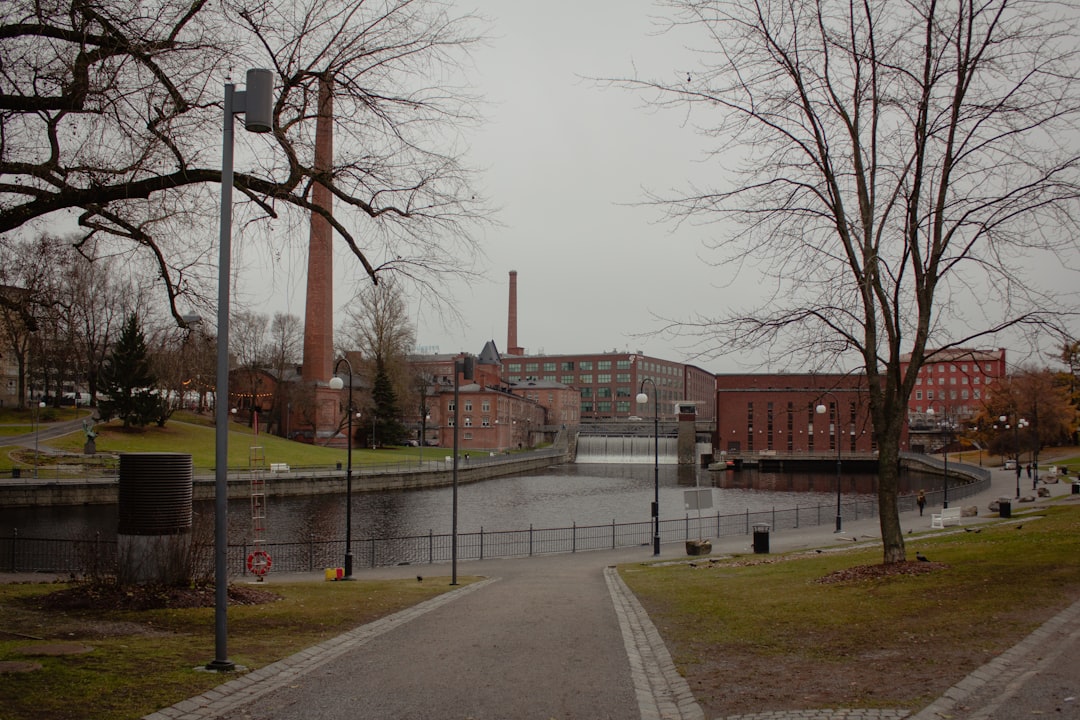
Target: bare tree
(377,325)
(284,349)
(112,115)
(888,160)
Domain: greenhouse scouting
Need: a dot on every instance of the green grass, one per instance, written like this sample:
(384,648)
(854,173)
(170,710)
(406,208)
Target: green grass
(144,661)
(196,435)
(774,612)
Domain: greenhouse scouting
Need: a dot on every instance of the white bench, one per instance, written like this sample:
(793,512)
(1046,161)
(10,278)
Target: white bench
(948,516)
(279,467)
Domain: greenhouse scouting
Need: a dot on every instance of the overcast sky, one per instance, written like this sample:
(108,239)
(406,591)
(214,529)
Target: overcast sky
(567,164)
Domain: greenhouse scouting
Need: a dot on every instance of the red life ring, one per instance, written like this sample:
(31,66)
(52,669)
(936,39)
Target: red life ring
(259,562)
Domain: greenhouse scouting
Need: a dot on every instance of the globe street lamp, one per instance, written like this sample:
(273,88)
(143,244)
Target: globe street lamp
(1019,423)
(336,383)
(643,399)
(821,410)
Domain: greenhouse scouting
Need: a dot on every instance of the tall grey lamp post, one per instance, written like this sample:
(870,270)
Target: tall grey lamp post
(38,406)
(336,384)
(821,410)
(1018,422)
(643,399)
(257,103)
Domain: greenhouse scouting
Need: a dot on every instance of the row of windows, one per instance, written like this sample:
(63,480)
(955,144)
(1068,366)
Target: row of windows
(467,406)
(567,366)
(952,380)
(583,379)
(952,395)
(604,406)
(987,368)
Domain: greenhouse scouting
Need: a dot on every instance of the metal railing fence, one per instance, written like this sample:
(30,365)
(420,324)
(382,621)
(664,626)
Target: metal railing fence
(84,557)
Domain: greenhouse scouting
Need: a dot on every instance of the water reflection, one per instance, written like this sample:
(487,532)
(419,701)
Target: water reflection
(561,496)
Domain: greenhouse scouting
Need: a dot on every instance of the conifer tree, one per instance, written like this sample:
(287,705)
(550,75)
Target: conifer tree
(128,381)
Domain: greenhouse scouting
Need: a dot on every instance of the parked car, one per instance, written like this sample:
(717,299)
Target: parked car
(1010,465)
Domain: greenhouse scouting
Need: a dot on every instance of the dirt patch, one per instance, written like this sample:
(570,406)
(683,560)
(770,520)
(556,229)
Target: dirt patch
(110,596)
(862,573)
(18,666)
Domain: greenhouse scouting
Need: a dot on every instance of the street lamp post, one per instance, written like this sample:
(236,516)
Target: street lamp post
(1018,422)
(643,399)
(37,431)
(945,451)
(256,102)
(336,384)
(821,410)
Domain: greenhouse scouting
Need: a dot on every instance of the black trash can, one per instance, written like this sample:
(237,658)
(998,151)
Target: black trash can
(761,539)
(1005,508)
(16,473)
(1076,488)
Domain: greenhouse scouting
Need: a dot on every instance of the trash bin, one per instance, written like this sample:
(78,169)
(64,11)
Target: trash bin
(761,539)
(16,473)
(1005,507)
(339,466)
(1076,488)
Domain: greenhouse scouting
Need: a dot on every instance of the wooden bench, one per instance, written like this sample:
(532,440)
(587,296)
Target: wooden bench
(948,516)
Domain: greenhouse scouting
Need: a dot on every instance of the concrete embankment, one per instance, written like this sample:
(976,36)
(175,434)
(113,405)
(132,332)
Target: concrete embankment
(104,491)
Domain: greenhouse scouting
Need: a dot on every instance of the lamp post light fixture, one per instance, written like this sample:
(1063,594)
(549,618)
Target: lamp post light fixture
(643,399)
(947,424)
(257,105)
(336,383)
(38,406)
(821,410)
(1019,423)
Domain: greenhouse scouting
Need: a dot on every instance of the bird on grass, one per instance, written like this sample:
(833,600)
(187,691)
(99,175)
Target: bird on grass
(974,530)
(920,557)
(1018,527)
(419,578)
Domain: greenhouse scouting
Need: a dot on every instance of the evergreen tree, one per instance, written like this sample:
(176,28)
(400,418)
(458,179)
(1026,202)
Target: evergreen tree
(127,380)
(388,427)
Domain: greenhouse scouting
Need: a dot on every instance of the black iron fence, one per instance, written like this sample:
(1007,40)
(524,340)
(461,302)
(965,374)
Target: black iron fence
(96,556)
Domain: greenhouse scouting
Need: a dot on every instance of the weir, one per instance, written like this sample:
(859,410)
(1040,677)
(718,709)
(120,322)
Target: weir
(626,449)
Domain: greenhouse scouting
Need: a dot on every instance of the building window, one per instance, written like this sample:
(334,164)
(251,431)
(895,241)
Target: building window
(622,365)
(586,379)
(468,406)
(586,407)
(603,365)
(604,406)
(750,427)
(549,367)
(604,392)
(485,406)
(450,421)
(963,394)
(567,379)
(585,365)
(622,377)
(603,378)
(929,394)
(468,436)
(513,367)
(468,421)
(622,392)
(918,394)
(450,406)
(977,394)
(485,421)
(622,406)
(586,392)
(532,367)
(549,378)
(564,366)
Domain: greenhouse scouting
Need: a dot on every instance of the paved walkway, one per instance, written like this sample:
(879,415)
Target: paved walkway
(562,637)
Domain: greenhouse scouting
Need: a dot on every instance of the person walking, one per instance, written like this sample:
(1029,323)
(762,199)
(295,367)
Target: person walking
(1029,470)
(921,501)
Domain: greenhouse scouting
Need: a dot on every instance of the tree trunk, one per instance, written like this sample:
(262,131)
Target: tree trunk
(892,535)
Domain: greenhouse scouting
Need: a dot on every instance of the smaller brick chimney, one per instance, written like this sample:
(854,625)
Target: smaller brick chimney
(512,347)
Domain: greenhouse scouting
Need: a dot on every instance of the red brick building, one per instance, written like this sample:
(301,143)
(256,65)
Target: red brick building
(778,415)
(608,383)
(956,383)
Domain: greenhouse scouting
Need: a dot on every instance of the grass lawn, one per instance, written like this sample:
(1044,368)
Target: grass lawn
(758,633)
(196,435)
(142,661)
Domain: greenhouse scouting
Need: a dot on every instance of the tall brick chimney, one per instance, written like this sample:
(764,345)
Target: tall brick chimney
(319,311)
(512,347)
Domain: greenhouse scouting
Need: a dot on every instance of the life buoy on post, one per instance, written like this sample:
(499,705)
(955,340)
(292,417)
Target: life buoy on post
(259,562)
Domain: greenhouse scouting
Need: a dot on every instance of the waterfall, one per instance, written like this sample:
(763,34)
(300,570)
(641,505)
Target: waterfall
(626,449)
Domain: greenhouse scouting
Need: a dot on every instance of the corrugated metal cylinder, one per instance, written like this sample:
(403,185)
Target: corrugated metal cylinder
(155,493)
